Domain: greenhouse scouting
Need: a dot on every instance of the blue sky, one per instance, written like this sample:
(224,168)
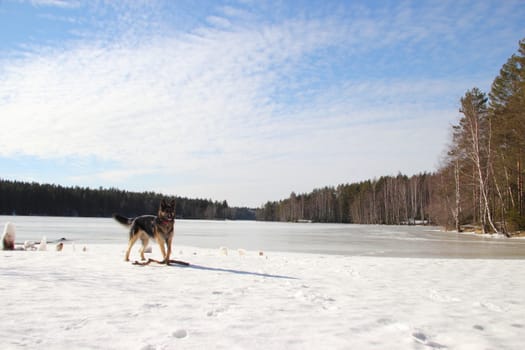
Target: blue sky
(244,101)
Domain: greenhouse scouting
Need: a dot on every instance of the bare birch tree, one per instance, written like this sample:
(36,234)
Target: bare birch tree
(474,136)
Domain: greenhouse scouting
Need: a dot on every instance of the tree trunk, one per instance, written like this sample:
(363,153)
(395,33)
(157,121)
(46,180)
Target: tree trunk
(458,197)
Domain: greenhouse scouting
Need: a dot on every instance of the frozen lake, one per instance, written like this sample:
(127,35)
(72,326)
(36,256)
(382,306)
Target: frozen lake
(376,295)
(340,239)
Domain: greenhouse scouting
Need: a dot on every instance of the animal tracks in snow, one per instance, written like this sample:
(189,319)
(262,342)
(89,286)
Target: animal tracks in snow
(489,306)
(216,311)
(167,341)
(76,324)
(306,296)
(222,300)
(441,297)
(180,333)
(153,306)
(424,339)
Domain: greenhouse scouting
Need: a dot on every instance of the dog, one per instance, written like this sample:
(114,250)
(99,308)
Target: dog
(159,228)
(8,237)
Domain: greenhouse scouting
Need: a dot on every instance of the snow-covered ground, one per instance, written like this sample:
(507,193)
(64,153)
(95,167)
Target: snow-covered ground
(94,300)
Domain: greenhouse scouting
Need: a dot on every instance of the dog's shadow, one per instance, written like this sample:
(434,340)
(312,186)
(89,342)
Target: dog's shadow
(187,265)
(237,272)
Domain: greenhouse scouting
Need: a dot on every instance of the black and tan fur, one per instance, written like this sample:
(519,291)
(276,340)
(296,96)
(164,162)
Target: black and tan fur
(160,228)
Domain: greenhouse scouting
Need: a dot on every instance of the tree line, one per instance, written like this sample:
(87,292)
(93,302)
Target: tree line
(391,200)
(479,183)
(24,198)
(482,175)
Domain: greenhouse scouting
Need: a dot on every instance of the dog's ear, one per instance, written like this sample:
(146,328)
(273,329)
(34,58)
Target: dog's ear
(162,203)
(172,203)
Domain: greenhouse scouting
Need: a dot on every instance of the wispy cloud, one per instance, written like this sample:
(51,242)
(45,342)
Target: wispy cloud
(56,3)
(250,109)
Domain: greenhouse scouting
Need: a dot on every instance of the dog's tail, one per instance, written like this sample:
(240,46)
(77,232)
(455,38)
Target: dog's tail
(123,220)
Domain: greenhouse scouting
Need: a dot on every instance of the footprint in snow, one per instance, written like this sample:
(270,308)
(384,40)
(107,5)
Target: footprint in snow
(422,338)
(180,333)
(441,297)
(76,324)
(313,298)
(489,306)
(215,312)
(148,347)
(385,321)
(154,306)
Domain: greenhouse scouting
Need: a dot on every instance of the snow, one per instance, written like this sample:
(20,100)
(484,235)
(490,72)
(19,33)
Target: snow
(91,299)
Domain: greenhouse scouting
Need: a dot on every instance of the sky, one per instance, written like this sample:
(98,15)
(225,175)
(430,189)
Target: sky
(243,101)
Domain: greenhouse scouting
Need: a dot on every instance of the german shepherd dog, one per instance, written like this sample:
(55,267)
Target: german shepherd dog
(158,227)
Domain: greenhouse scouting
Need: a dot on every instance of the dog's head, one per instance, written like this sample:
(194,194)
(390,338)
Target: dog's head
(167,210)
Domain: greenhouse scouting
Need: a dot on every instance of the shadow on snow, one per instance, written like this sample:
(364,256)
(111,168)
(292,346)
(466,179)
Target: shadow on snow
(237,272)
(185,264)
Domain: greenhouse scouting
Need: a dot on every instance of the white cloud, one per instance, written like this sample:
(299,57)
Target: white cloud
(56,3)
(205,105)
(217,21)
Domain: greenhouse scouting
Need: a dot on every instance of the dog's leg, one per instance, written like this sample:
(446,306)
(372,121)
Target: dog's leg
(145,241)
(170,239)
(161,243)
(132,241)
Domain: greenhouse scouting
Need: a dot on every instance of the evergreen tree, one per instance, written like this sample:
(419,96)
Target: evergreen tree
(507,108)
(22,198)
